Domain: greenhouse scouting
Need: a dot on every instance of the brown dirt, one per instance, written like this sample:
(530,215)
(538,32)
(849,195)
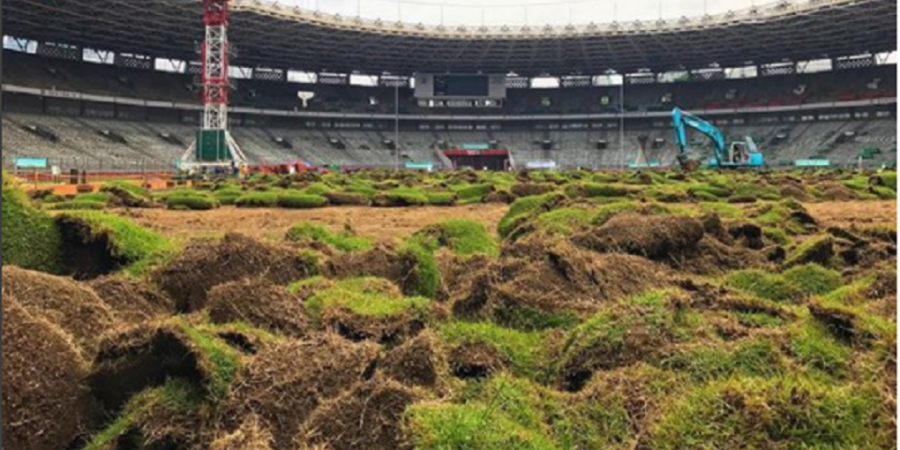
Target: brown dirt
(204,264)
(381,261)
(476,360)
(133,301)
(250,436)
(135,358)
(845,214)
(366,416)
(417,362)
(73,307)
(284,384)
(558,277)
(259,302)
(379,224)
(653,237)
(45,401)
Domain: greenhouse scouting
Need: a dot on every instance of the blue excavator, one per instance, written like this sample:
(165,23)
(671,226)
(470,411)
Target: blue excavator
(740,154)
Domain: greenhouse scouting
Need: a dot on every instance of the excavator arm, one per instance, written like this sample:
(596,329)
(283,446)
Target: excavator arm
(683,120)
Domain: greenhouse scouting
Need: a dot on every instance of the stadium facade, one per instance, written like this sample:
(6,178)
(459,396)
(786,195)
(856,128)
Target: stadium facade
(808,80)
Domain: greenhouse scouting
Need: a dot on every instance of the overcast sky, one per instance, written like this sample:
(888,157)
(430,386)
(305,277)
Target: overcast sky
(520,12)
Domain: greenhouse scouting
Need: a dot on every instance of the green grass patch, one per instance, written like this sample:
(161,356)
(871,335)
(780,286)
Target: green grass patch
(257,199)
(525,350)
(441,198)
(30,238)
(813,345)
(464,237)
(425,277)
(139,246)
(563,221)
(365,296)
(789,413)
(77,205)
(522,208)
(307,232)
(298,200)
(764,285)
(472,193)
(750,357)
(191,200)
(220,359)
(813,278)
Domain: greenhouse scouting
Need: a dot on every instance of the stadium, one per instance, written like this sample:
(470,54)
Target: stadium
(251,225)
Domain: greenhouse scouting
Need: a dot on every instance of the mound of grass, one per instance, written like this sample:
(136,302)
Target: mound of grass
(257,199)
(889,180)
(608,211)
(563,221)
(365,296)
(760,191)
(472,193)
(401,197)
(813,345)
(425,277)
(475,425)
(813,278)
(30,238)
(765,285)
(789,412)
(228,195)
(522,208)
(464,237)
(175,396)
(298,200)
(317,189)
(589,189)
(524,350)
(441,198)
(751,357)
(708,192)
(139,246)
(345,241)
(817,249)
(191,200)
(77,205)
(97,197)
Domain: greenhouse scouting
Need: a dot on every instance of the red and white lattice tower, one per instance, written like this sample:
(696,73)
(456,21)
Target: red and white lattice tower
(214,146)
(215,65)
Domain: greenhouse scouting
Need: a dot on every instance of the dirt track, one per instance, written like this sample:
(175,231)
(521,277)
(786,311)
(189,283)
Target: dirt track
(389,223)
(378,223)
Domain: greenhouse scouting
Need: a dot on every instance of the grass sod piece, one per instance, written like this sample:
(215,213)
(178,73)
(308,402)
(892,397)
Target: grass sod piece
(297,200)
(365,296)
(764,285)
(524,207)
(750,357)
(425,277)
(77,205)
(783,412)
(441,198)
(199,201)
(812,344)
(222,360)
(813,278)
(31,239)
(563,221)
(139,247)
(464,237)
(524,350)
(228,195)
(176,396)
(258,199)
(344,241)
(473,193)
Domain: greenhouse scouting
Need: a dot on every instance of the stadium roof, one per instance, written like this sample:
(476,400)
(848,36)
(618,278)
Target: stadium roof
(269,35)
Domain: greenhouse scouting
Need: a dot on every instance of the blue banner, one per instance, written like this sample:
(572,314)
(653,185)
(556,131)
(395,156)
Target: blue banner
(32,162)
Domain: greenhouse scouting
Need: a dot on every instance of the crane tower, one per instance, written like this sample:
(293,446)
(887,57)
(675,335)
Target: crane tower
(214,146)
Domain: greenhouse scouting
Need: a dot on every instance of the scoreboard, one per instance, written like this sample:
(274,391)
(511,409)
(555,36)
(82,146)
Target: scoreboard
(460,87)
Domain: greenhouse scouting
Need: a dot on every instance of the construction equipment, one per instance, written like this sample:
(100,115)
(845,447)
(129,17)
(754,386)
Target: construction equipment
(736,155)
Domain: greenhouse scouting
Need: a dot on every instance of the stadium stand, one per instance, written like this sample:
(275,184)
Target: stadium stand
(123,114)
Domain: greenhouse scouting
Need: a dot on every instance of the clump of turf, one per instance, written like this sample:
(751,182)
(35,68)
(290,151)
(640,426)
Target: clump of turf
(30,238)
(345,241)
(812,344)
(523,208)
(817,249)
(755,356)
(463,237)
(472,193)
(258,199)
(563,221)
(524,351)
(192,200)
(400,197)
(764,285)
(135,248)
(368,308)
(813,278)
(161,415)
(789,412)
(299,200)
(424,275)
(77,205)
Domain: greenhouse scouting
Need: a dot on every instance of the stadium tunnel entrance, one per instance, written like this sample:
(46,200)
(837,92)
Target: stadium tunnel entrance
(479,159)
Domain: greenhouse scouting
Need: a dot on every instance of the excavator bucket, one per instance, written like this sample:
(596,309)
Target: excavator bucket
(688,164)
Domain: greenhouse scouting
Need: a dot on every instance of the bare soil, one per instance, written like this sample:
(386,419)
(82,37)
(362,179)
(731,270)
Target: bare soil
(381,224)
(847,213)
